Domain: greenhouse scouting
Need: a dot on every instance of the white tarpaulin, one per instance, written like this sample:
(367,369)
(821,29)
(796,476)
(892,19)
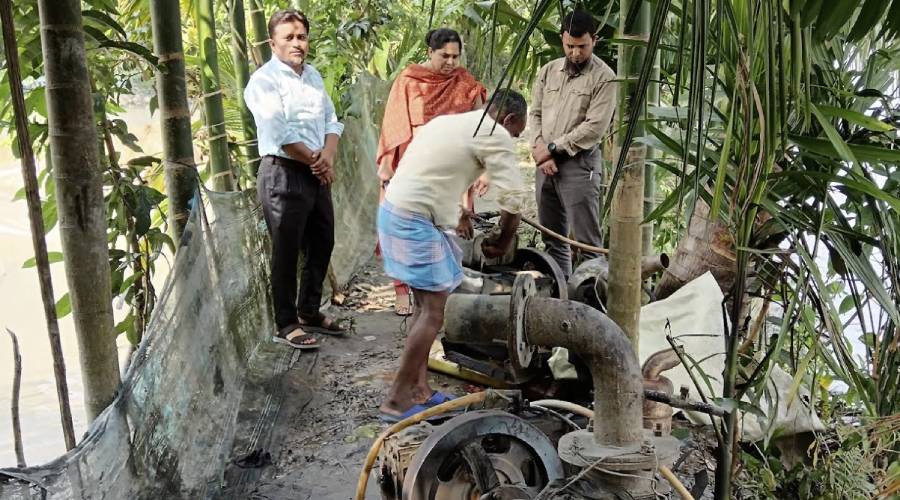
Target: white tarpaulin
(694,318)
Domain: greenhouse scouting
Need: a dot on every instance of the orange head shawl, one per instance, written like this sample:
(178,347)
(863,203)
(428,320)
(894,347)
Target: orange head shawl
(417,96)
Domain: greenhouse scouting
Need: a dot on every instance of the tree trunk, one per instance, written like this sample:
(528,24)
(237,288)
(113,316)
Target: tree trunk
(261,50)
(707,246)
(174,113)
(626,212)
(242,76)
(214,112)
(36,220)
(82,212)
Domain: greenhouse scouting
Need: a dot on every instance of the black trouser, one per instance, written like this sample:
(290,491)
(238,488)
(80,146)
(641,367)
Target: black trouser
(300,217)
(571,199)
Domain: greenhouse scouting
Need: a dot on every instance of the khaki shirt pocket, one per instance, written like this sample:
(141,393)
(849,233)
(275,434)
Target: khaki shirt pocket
(581,96)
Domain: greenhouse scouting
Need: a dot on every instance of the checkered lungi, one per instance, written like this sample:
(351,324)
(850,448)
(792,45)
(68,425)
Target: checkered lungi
(416,252)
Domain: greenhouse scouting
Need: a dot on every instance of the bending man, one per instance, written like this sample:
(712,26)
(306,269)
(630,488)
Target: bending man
(421,204)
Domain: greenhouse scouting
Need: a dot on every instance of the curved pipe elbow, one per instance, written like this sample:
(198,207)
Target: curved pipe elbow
(659,362)
(614,366)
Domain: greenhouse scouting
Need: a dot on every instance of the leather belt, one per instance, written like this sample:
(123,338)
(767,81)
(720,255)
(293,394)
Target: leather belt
(285,162)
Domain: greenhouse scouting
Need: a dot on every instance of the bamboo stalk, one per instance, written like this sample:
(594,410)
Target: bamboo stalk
(242,76)
(174,113)
(626,214)
(79,196)
(14,402)
(36,221)
(649,175)
(261,50)
(213,109)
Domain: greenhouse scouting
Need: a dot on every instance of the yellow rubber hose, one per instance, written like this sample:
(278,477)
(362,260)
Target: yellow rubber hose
(565,405)
(676,484)
(453,404)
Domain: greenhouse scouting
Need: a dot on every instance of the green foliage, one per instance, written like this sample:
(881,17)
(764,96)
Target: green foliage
(116,37)
(841,464)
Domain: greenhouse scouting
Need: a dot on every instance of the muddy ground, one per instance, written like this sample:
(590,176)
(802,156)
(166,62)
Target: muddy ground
(329,415)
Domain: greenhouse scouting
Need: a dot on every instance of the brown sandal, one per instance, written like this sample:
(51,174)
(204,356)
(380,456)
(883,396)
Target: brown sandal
(298,339)
(323,324)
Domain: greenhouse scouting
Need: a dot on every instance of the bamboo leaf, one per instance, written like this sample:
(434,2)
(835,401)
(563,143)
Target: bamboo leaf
(52,257)
(798,377)
(863,186)
(809,13)
(862,270)
(104,19)
(869,15)
(837,142)
(130,47)
(144,161)
(892,21)
(833,16)
(63,306)
(857,118)
(49,215)
(865,153)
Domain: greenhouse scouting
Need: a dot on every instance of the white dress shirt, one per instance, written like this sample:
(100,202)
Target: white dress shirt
(290,108)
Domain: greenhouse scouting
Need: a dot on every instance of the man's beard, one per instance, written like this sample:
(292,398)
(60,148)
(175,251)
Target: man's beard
(575,68)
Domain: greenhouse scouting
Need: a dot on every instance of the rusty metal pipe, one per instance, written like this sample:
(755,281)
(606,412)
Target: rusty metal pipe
(659,362)
(477,319)
(618,392)
(658,416)
(652,264)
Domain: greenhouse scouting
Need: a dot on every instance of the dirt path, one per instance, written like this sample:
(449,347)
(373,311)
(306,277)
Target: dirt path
(330,412)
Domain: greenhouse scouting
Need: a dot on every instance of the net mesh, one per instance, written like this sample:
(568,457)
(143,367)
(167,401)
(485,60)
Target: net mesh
(169,433)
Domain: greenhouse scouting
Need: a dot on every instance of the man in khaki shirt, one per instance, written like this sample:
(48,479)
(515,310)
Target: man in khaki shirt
(573,102)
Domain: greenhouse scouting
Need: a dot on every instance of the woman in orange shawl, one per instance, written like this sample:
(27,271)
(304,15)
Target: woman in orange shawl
(421,92)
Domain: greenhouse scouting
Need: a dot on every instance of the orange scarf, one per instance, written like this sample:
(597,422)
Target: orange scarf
(418,95)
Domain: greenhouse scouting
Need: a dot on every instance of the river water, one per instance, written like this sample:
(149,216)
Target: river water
(21,311)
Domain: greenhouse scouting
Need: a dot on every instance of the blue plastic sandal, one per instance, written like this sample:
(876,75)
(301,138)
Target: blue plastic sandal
(391,418)
(437,398)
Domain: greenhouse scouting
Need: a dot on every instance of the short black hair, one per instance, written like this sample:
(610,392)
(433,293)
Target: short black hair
(436,39)
(286,16)
(505,102)
(577,23)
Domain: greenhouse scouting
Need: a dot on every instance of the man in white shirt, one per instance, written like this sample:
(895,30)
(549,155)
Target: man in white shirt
(422,203)
(298,136)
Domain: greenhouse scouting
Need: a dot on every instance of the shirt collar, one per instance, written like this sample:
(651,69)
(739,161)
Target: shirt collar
(279,65)
(586,69)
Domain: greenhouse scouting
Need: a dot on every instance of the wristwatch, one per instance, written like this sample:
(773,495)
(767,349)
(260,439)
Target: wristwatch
(552,148)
